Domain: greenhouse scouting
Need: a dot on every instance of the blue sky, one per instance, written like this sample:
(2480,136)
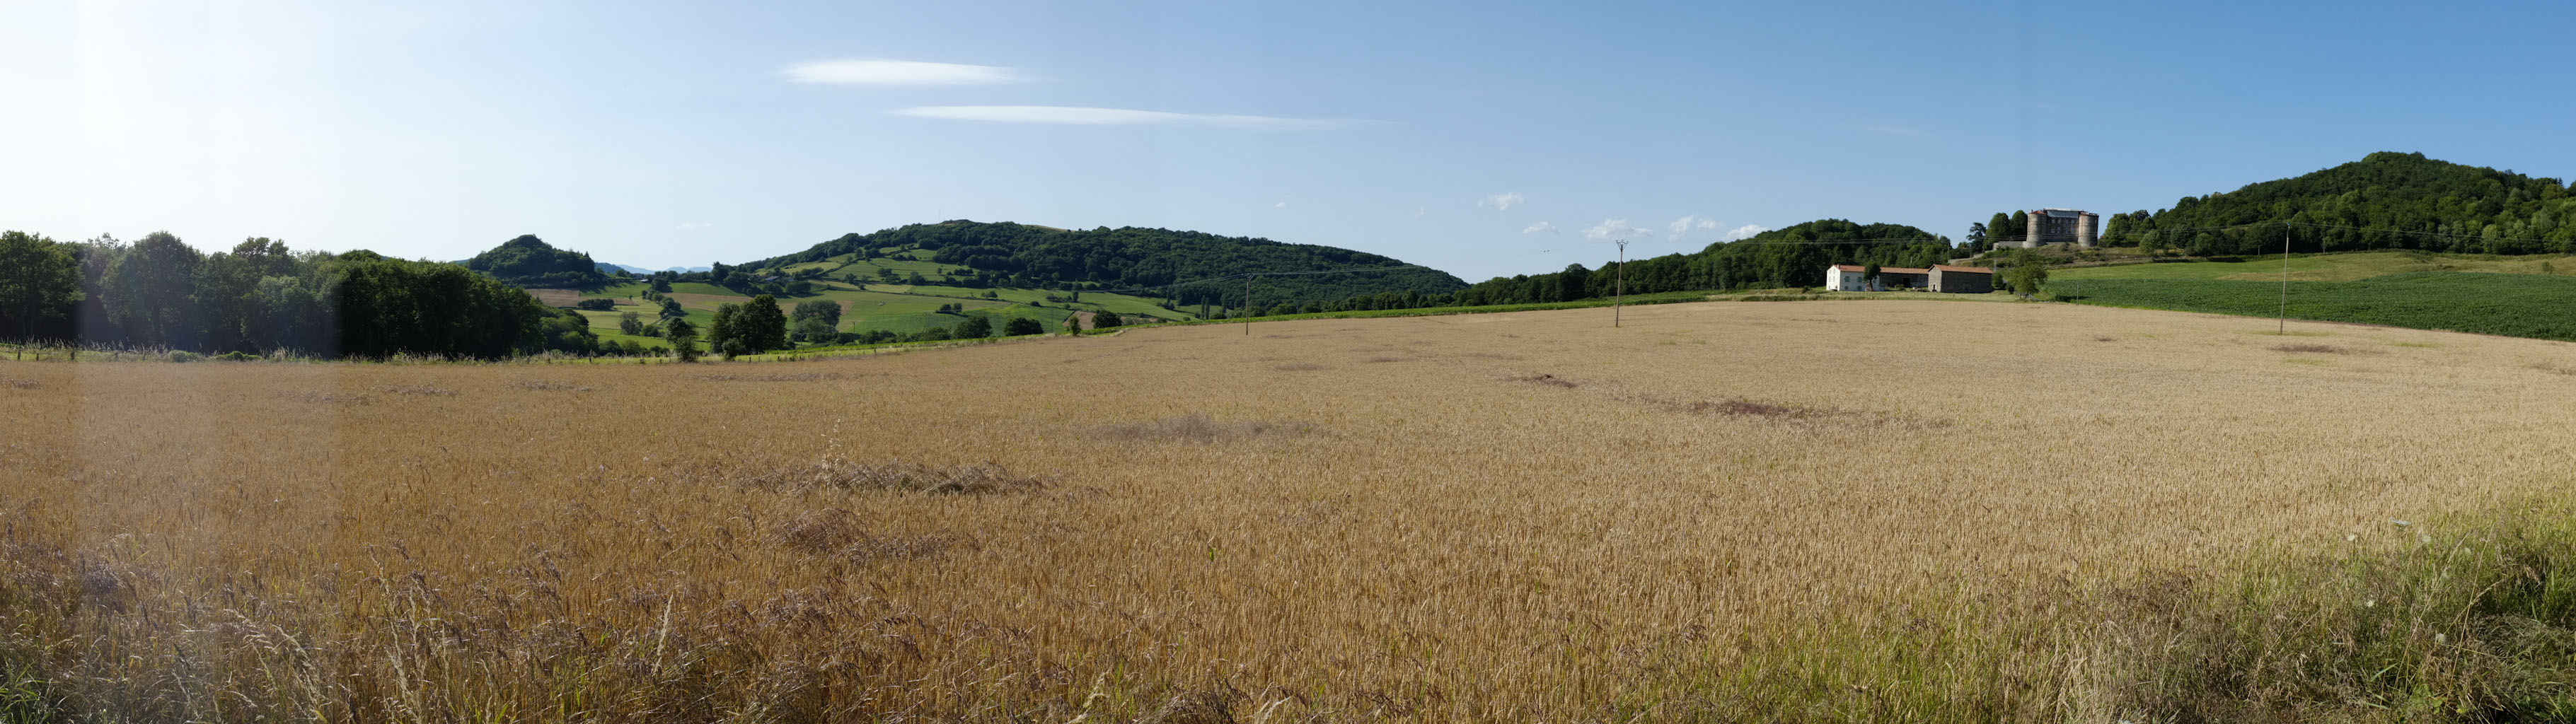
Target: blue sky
(1480,138)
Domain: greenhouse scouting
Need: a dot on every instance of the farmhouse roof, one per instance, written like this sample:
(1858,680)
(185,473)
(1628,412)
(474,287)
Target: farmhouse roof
(1967,269)
(1902,270)
(1849,267)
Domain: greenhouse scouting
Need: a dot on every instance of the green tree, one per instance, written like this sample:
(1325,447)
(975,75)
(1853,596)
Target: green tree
(974,328)
(2000,231)
(683,337)
(827,310)
(1019,326)
(2027,274)
(38,281)
(1869,274)
(763,325)
(151,291)
(630,323)
(724,335)
(814,329)
(1105,319)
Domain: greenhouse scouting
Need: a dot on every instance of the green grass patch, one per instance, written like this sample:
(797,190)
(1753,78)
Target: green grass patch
(2515,305)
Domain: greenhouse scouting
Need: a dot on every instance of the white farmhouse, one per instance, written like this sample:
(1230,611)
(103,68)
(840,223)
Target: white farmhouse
(1852,278)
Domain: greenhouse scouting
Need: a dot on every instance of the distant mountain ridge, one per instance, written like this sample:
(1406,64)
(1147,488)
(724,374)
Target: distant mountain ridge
(2442,206)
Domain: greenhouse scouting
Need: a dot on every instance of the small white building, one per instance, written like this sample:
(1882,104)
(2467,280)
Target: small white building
(1854,278)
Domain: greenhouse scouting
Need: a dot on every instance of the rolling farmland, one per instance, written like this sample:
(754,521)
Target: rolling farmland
(1792,511)
(2519,297)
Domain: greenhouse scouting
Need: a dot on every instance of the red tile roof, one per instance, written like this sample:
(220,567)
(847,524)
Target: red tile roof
(1902,270)
(1968,269)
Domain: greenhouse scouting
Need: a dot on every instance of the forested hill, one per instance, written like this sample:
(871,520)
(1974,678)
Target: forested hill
(530,262)
(1792,257)
(2445,206)
(1025,256)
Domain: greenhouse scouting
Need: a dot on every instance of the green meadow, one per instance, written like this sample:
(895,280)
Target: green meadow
(2518,297)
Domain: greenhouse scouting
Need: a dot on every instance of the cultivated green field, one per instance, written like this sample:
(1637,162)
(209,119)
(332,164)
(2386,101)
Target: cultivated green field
(2505,296)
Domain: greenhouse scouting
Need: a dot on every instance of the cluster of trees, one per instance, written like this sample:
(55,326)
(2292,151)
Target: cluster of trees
(530,263)
(750,327)
(1022,256)
(260,296)
(2388,201)
(1788,257)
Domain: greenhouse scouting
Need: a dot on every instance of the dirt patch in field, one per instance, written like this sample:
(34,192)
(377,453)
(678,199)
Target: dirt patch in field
(419,390)
(1546,379)
(549,386)
(2312,348)
(892,475)
(1300,367)
(784,377)
(836,533)
(24,384)
(1202,429)
(330,398)
(556,297)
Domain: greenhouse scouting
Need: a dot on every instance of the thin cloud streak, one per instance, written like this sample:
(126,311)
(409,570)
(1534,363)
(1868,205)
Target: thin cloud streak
(858,71)
(1889,130)
(1083,116)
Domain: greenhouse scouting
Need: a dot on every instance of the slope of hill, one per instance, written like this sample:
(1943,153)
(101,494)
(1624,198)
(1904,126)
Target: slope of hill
(1788,257)
(1009,255)
(2511,296)
(528,261)
(2391,201)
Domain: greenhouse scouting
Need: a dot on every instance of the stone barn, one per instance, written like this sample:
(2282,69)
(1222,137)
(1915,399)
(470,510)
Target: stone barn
(1949,279)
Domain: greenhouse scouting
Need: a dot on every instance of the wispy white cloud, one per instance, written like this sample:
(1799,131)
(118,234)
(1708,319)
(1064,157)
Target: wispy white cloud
(1082,116)
(1744,232)
(1418,211)
(1504,201)
(862,71)
(1615,229)
(1280,205)
(1540,228)
(1687,224)
(1889,130)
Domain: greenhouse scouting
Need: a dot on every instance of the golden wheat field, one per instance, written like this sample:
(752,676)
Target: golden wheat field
(1749,511)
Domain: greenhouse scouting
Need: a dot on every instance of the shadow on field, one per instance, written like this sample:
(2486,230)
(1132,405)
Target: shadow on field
(1199,428)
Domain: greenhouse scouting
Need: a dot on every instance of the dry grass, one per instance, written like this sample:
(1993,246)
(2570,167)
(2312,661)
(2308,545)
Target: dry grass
(1472,540)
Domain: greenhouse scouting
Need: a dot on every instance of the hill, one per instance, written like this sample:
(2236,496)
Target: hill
(528,261)
(1788,257)
(1019,256)
(2384,201)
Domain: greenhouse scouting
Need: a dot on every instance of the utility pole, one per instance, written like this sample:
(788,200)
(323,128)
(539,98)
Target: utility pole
(2284,322)
(1621,295)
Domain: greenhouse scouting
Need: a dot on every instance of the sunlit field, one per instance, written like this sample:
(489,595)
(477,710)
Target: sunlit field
(1878,511)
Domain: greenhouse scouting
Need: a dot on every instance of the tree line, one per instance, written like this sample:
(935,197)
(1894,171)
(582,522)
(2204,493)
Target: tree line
(1789,257)
(260,297)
